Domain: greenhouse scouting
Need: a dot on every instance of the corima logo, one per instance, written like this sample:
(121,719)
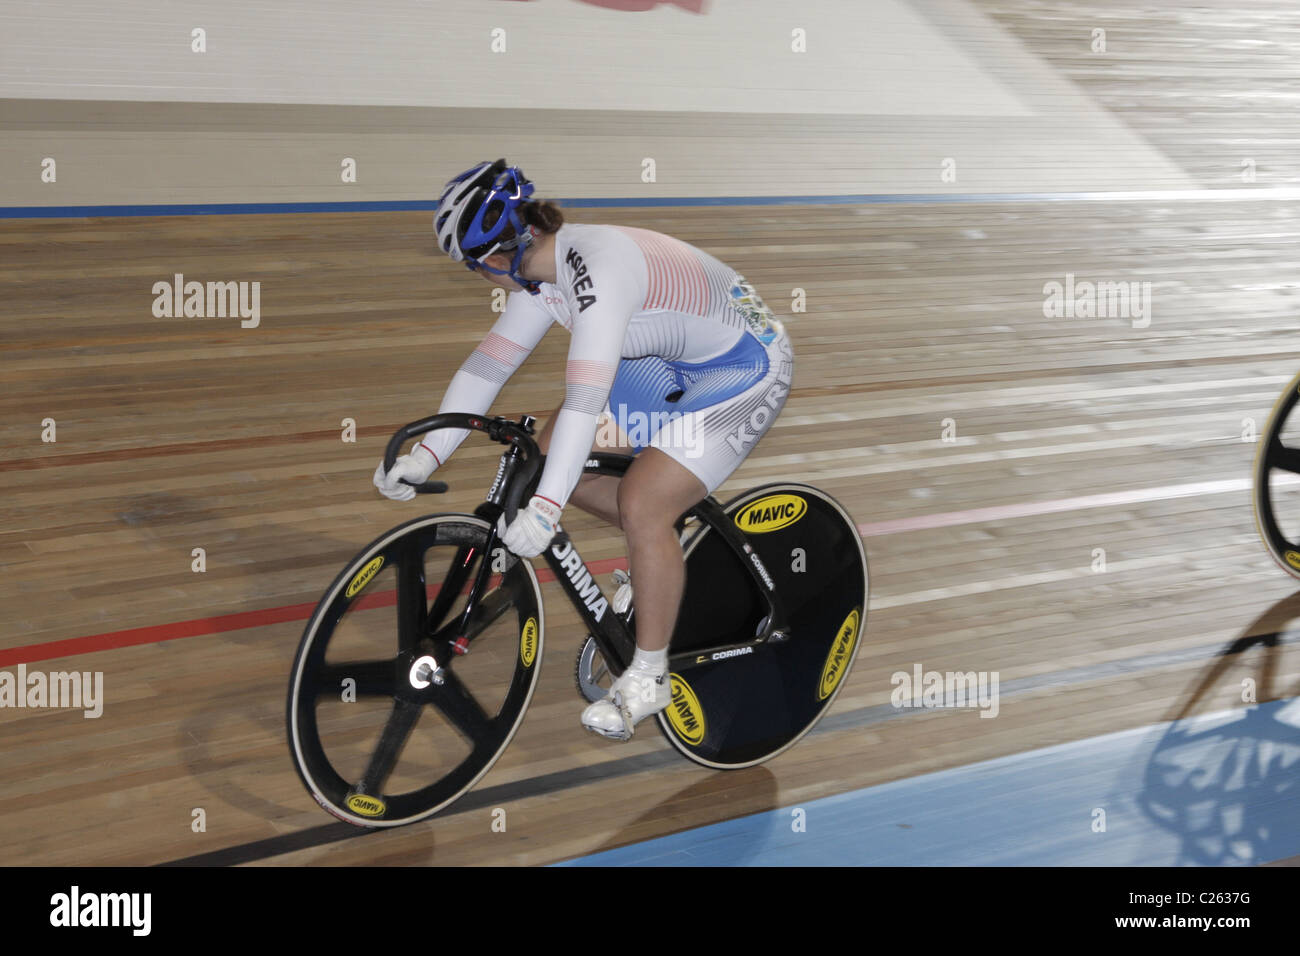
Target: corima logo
(528,642)
(364,575)
(366,806)
(724,655)
(771,513)
(588,590)
(1293,559)
(837,661)
(685,713)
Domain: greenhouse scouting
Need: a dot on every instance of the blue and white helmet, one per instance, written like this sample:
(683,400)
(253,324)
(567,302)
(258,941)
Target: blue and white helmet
(478,215)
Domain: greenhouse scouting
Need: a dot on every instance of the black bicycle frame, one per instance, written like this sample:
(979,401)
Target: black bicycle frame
(517,474)
(612,635)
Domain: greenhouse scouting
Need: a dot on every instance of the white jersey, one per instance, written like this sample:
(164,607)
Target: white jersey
(622,293)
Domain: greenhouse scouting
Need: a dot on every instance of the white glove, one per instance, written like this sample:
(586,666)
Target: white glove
(416,467)
(532,529)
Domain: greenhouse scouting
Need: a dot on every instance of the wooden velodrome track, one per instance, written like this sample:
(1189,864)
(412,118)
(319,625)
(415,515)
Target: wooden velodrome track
(1072,434)
(209,437)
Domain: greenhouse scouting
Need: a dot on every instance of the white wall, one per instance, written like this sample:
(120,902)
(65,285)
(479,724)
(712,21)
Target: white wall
(888,96)
(862,56)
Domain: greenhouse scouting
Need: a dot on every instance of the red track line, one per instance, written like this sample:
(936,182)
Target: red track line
(198,627)
(153,634)
(300,612)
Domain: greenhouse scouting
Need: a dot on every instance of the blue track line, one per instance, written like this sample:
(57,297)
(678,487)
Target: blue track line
(1216,790)
(428,205)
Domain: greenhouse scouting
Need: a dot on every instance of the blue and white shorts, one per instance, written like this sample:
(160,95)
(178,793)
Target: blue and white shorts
(706,416)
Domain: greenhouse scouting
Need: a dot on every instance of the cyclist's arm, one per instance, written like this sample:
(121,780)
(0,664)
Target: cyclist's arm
(478,381)
(594,354)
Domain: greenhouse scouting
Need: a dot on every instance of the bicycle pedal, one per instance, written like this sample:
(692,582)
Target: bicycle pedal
(623,596)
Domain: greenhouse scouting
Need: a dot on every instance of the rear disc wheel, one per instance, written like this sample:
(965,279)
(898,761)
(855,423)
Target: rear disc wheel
(739,707)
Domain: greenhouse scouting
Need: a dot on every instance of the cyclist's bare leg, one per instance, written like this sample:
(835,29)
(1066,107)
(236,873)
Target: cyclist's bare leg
(655,493)
(645,504)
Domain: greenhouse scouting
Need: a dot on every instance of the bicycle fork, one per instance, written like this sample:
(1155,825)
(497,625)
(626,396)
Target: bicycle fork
(491,511)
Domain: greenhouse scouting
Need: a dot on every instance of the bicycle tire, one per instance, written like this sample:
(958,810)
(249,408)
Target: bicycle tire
(1271,455)
(749,709)
(353,590)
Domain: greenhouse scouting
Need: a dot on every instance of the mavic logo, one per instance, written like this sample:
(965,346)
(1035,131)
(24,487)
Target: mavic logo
(588,590)
(685,713)
(771,513)
(366,805)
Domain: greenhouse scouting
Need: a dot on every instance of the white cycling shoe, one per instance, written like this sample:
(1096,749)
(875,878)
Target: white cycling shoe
(631,699)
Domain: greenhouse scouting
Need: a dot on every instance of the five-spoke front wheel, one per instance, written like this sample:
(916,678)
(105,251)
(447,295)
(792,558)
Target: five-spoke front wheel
(387,725)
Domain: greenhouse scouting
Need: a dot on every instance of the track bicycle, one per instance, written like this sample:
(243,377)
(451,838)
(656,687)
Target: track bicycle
(416,668)
(1276,483)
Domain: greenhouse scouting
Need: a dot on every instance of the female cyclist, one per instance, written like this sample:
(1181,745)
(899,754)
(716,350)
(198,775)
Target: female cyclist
(676,346)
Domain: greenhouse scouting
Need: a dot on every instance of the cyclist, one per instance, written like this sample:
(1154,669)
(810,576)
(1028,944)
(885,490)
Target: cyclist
(670,345)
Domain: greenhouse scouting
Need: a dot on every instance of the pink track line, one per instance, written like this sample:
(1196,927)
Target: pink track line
(948,519)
